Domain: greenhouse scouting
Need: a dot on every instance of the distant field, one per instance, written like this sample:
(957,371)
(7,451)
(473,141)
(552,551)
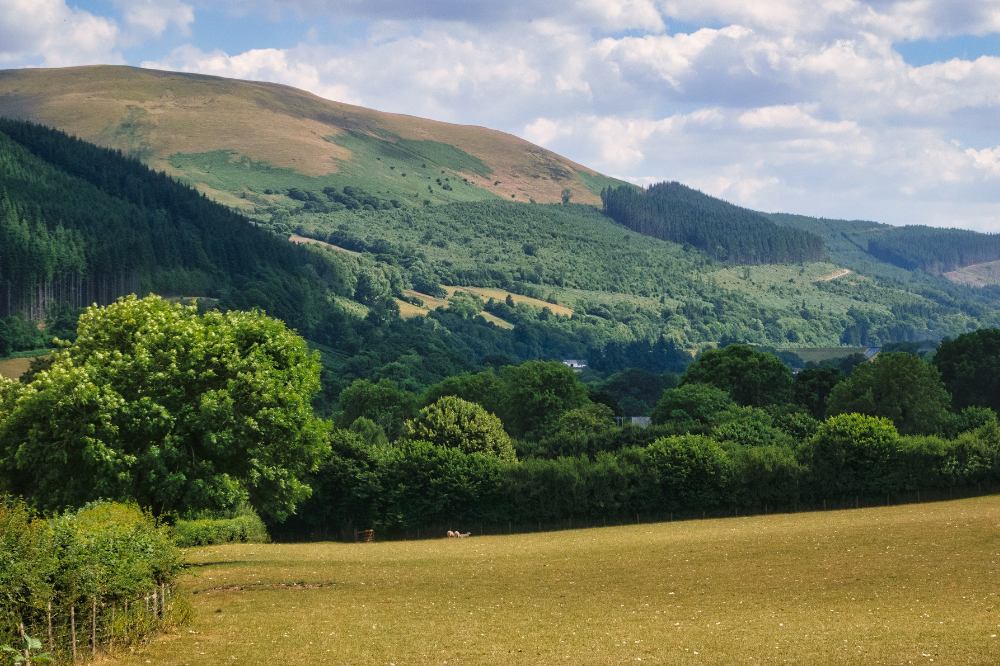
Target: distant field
(14,367)
(817,354)
(407,310)
(895,585)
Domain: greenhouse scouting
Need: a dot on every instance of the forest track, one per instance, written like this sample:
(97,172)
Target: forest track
(836,274)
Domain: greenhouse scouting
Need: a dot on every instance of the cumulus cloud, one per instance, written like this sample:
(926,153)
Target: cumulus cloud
(796,105)
(48,32)
(151,18)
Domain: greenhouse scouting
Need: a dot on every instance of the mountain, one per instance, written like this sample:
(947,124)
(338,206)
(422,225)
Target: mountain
(633,289)
(247,143)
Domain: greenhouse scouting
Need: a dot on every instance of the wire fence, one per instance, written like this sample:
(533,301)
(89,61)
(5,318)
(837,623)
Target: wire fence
(83,628)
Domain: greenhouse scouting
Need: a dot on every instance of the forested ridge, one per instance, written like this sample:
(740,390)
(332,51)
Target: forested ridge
(934,250)
(674,212)
(83,224)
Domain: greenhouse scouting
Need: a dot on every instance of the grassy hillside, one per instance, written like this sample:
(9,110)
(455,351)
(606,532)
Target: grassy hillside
(236,139)
(575,256)
(891,585)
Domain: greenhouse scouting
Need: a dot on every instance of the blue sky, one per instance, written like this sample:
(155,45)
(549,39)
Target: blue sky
(879,110)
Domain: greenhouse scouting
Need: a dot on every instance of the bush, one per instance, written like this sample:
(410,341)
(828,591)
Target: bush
(697,403)
(104,553)
(763,476)
(853,455)
(693,471)
(240,526)
(459,424)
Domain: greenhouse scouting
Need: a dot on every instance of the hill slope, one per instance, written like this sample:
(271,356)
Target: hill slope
(236,139)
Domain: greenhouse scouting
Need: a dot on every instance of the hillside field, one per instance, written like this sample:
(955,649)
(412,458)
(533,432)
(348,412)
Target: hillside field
(891,585)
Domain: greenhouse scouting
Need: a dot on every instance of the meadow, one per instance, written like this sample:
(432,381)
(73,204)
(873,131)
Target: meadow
(906,584)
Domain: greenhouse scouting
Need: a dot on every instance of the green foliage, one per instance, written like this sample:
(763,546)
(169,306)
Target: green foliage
(455,423)
(241,525)
(750,377)
(483,388)
(579,431)
(970,368)
(898,386)
(673,212)
(81,224)
(749,426)
(853,455)
(382,403)
(813,386)
(369,432)
(635,391)
(179,411)
(693,471)
(538,393)
(699,403)
(763,476)
(23,653)
(104,552)
(933,249)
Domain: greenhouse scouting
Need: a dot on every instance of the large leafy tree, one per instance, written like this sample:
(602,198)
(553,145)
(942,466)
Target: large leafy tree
(813,386)
(537,395)
(463,425)
(970,368)
(691,402)
(851,455)
(178,411)
(752,378)
(898,386)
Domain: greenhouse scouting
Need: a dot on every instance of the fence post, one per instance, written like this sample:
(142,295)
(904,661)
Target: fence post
(72,628)
(93,629)
(111,631)
(163,600)
(52,645)
(824,505)
(27,653)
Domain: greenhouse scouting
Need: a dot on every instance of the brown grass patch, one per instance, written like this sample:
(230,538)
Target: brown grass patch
(501,295)
(873,586)
(15,367)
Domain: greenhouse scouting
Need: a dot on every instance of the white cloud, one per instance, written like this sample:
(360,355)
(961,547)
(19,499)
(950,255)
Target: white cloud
(273,65)
(151,18)
(987,159)
(795,105)
(48,32)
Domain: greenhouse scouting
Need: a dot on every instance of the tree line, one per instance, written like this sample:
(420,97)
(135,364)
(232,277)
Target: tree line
(933,250)
(676,213)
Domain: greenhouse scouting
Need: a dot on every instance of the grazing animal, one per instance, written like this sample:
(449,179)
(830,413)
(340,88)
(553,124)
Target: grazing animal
(462,536)
(451,535)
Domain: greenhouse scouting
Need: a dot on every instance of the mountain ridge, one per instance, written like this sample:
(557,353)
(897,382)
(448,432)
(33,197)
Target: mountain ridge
(156,114)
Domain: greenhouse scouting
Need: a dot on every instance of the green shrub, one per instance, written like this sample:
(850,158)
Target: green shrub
(242,526)
(853,455)
(105,554)
(693,470)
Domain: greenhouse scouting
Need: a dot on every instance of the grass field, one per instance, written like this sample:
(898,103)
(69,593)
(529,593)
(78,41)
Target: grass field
(13,368)
(895,585)
(817,354)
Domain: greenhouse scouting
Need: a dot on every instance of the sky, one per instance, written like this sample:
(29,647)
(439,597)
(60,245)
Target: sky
(879,110)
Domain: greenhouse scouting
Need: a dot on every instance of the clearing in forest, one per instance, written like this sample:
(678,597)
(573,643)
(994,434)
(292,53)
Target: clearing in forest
(892,585)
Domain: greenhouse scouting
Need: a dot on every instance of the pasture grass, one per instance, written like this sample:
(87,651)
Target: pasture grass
(891,585)
(13,368)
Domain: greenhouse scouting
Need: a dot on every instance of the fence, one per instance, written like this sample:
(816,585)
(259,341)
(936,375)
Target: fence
(81,628)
